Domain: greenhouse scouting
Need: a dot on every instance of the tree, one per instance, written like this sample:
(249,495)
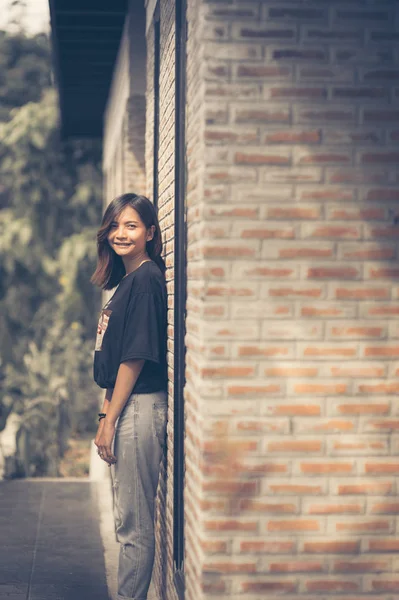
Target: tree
(51,205)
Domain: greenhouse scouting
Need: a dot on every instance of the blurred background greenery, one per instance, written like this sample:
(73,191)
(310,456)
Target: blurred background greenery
(50,208)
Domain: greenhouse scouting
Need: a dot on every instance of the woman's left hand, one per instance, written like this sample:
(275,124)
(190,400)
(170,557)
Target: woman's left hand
(103,442)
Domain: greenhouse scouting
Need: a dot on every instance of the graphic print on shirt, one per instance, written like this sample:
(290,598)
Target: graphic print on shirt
(102,328)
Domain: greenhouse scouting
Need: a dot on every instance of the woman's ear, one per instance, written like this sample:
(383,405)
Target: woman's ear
(151,232)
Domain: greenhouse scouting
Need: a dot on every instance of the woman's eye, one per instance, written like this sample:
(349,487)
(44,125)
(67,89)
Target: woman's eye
(132,226)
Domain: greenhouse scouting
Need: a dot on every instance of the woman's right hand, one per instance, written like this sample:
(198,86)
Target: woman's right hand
(99,431)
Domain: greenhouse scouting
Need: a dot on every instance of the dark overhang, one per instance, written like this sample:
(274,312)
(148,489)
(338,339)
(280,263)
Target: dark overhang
(86,35)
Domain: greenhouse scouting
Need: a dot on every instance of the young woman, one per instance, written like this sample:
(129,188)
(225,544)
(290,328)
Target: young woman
(130,363)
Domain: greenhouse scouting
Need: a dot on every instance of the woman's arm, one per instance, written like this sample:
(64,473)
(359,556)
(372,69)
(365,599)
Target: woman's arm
(126,378)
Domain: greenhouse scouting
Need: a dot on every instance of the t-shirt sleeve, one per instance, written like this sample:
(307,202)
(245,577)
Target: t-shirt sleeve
(143,328)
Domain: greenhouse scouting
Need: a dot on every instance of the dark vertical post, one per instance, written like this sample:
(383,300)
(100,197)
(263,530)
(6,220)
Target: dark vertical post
(180,295)
(157,56)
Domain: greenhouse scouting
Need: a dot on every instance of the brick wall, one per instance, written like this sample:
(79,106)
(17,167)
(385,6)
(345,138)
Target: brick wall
(164,568)
(292,373)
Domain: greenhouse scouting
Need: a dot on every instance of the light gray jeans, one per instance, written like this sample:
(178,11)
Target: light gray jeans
(139,447)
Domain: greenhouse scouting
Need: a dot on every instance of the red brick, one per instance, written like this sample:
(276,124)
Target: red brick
(334,468)
(383,272)
(253,390)
(213,587)
(229,567)
(330,585)
(380,115)
(332,547)
(293,525)
(297,291)
(261,158)
(356,332)
(311,34)
(281,409)
(379,157)
(387,425)
(292,212)
(381,232)
(356,370)
(358,92)
(296,489)
(262,115)
(382,468)
(332,272)
(295,446)
(363,15)
(297,93)
(231,525)
(227,371)
(366,251)
(267,272)
(364,447)
(340,232)
(326,193)
(374,489)
(292,137)
(252,31)
(324,310)
(263,232)
(306,252)
(335,509)
(213,546)
(386,351)
(325,426)
(362,293)
(293,175)
(329,352)
(267,507)
(382,408)
(323,157)
(379,388)
(360,566)
(320,389)
(356,214)
(295,14)
(385,585)
(291,371)
(231,137)
(355,176)
(297,566)
(267,547)
(363,526)
(387,545)
(264,351)
(385,508)
(268,586)
(383,194)
(299,54)
(324,115)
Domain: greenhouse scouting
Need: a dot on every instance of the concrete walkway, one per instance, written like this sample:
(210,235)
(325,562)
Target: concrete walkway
(51,546)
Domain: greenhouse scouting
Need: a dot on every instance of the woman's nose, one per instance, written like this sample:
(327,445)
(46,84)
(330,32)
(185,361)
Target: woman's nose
(120,234)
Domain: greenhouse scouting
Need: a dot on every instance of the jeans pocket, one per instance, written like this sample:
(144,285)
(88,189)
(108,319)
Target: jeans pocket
(159,421)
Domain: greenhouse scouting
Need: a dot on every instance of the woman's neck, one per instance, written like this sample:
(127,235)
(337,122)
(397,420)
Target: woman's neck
(134,263)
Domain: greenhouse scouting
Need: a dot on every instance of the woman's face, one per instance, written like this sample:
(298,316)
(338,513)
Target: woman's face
(128,234)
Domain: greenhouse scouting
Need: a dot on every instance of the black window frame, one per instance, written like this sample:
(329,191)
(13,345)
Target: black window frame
(180,294)
(157,61)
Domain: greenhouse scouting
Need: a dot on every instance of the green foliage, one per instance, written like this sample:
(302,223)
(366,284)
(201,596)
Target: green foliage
(51,206)
(25,70)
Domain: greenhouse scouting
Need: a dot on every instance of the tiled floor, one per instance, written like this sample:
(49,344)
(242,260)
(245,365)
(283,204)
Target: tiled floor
(50,541)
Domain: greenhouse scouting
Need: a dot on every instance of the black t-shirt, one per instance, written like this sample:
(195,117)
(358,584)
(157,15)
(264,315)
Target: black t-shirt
(132,325)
